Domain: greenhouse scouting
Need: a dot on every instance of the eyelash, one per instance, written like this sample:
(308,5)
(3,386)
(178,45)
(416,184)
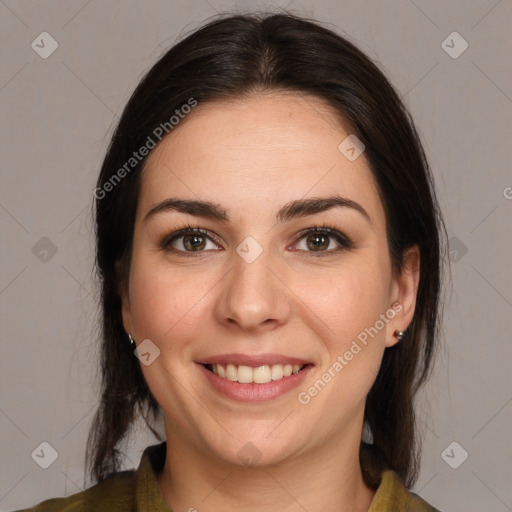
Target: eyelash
(324,229)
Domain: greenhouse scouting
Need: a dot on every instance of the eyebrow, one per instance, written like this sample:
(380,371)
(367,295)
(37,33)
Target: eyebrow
(293,209)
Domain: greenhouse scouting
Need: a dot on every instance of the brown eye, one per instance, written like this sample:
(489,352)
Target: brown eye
(195,242)
(188,240)
(317,242)
(323,241)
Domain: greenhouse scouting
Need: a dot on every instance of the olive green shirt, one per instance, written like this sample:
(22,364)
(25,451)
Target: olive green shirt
(138,491)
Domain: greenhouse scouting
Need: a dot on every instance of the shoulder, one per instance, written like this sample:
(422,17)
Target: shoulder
(393,496)
(114,494)
(123,491)
(418,504)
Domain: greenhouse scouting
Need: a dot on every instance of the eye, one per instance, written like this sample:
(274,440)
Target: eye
(188,240)
(320,241)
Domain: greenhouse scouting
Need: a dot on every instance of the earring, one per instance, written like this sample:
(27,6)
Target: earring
(132,341)
(399,335)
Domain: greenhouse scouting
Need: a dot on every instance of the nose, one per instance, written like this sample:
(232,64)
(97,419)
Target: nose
(254,295)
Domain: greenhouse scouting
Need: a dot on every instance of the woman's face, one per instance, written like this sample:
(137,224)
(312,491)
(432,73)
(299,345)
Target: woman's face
(254,290)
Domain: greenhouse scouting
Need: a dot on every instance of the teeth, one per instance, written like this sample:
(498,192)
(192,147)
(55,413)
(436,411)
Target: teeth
(277,372)
(245,374)
(258,375)
(262,374)
(231,372)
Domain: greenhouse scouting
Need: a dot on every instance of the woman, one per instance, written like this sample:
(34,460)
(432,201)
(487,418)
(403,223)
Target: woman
(269,248)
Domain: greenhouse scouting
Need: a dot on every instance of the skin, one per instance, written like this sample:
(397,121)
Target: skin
(252,156)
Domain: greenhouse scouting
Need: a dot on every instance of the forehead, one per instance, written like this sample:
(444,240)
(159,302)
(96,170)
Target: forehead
(256,153)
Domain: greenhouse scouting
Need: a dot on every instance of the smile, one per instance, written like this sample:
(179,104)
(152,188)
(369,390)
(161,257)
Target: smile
(259,375)
(260,383)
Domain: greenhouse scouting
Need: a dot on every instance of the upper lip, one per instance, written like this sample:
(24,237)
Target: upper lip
(254,360)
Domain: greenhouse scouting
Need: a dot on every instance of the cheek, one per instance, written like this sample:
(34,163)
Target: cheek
(343,310)
(351,303)
(165,302)
(346,299)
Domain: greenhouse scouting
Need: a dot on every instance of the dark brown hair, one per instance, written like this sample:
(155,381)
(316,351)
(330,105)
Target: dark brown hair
(230,57)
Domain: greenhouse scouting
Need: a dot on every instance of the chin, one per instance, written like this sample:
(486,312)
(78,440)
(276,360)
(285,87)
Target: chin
(256,453)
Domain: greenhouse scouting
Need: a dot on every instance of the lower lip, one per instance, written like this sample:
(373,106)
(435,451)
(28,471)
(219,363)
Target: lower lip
(255,392)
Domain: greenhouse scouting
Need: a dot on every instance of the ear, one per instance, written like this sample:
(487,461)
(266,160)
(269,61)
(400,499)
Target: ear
(124,293)
(404,291)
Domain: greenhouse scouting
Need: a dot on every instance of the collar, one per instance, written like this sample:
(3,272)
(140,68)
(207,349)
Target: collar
(147,492)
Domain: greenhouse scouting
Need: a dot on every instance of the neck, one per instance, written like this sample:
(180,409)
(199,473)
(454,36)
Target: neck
(315,480)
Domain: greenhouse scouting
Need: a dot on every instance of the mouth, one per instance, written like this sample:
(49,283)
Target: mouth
(257,383)
(254,377)
(262,374)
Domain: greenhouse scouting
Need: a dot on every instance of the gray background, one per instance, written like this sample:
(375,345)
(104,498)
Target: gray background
(57,116)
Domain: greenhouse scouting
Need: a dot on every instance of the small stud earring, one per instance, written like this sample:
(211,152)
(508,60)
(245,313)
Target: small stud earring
(399,335)
(132,341)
